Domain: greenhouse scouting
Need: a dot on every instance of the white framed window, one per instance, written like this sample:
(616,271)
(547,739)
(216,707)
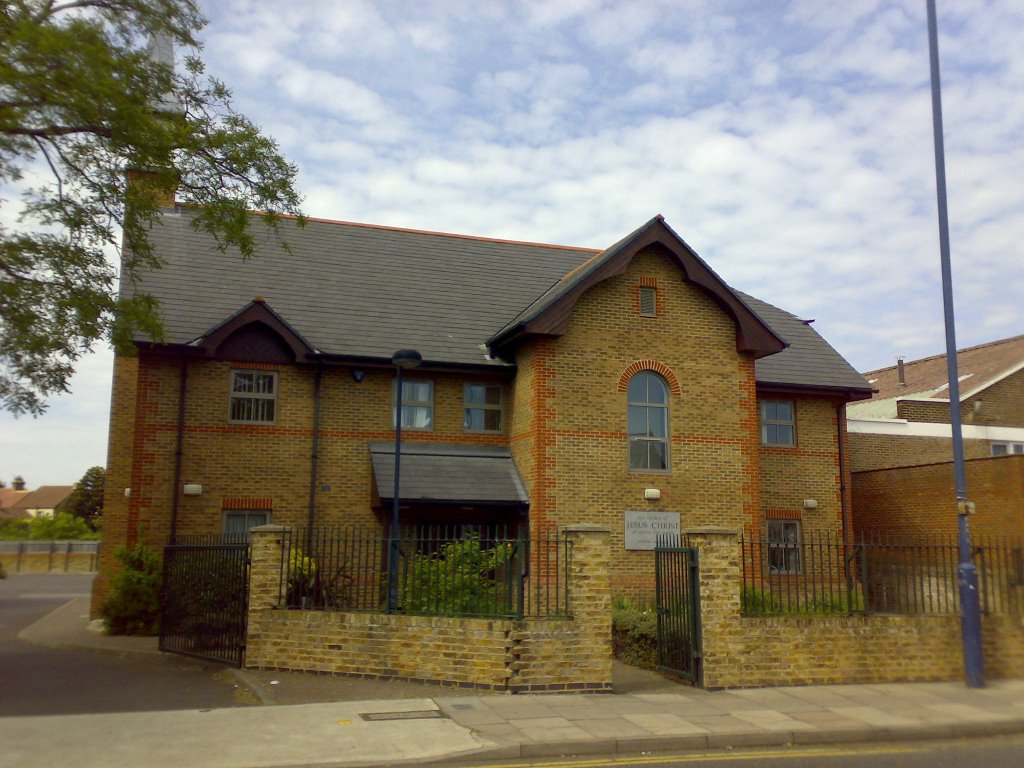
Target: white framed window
(648,301)
(1005,449)
(647,422)
(481,407)
(778,423)
(784,546)
(417,404)
(238,523)
(253,397)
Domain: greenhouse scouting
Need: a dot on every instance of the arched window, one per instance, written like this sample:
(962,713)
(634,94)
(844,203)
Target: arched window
(648,422)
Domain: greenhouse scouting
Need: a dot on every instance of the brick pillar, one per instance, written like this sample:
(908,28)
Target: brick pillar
(720,576)
(264,585)
(590,600)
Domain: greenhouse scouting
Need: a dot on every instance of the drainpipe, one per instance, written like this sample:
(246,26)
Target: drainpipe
(315,454)
(840,414)
(178,452)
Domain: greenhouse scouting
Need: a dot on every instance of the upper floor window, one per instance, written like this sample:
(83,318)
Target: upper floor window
(253,397)
(778,422)
(784,546)
(481,408)
(648,301)
(648,422)
(417,404)
(1004,449)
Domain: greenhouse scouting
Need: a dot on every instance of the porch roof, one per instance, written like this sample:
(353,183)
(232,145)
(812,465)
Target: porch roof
(449,474)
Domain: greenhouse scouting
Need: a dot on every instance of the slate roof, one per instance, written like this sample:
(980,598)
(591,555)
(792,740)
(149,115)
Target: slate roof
(361,291)
(448,473)
(45,497)
(978,368)
(808,362)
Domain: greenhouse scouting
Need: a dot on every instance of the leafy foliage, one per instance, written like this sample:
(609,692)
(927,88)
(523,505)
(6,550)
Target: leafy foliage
(63,525)
(86,500)
(463,578)
(134,604)
(116,129)
(758,602)
(635,632)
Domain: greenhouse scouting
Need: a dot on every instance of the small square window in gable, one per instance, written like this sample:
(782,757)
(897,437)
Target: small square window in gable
(648,301)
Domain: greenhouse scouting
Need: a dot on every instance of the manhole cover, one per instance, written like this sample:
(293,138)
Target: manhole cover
(422,714)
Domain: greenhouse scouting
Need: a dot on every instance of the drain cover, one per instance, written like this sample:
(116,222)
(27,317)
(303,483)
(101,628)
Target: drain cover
(422,714)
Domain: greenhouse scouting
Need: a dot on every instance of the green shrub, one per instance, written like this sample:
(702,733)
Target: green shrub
(463,578)
(635,632)
(14,530)
(758,602)
(134,604)
(61,527)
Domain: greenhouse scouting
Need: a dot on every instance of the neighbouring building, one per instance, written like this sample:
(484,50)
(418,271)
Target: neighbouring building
(901,444)
(44,501)
(629,387)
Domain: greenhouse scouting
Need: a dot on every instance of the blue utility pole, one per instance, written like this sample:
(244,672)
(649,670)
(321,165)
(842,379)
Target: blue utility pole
(967,574)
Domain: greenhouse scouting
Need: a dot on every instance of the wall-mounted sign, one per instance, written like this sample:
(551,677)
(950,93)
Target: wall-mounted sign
(644,528)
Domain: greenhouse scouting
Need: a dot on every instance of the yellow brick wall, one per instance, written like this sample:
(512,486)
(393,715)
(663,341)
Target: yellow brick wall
(748,652)
(869,451)
(515,656)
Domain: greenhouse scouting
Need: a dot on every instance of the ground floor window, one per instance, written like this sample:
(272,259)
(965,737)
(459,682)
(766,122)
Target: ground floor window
(784,546)
(1004,449)
(238,522)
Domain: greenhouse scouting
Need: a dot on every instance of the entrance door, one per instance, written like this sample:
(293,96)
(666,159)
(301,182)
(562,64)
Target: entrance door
(678,608)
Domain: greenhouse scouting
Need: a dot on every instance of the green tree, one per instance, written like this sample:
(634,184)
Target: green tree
(60,527)
(86,500)
(88,108)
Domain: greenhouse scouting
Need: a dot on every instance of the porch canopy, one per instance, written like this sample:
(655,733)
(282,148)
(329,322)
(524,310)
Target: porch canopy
(449,475)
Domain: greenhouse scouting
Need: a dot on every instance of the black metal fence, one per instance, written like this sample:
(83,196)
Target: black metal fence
(823,576)
(459,570)
(204,599)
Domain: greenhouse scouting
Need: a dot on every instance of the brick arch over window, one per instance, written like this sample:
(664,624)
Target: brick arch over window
(650,365)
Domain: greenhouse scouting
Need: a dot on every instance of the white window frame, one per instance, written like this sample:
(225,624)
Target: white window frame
(484,407)
(257,399)
(767,423)
(245,514)
(788,548)
(409,406)
(647,405)
(1006,448)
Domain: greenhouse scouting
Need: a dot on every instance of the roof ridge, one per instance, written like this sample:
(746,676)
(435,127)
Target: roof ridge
(943,354)
(455,235)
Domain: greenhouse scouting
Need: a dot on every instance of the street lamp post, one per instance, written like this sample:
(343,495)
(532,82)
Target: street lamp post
(402,359)
(967,573)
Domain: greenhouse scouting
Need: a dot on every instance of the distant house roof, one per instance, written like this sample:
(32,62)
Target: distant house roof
(9,498)
(449,474)
(45,497)
(978,368)
(356,292)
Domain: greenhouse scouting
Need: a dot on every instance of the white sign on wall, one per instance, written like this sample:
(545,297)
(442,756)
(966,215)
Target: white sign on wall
(644,528)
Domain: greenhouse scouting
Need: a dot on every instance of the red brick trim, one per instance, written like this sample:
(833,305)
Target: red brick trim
(783,514)
(648,282)
(650,365)
(246,502)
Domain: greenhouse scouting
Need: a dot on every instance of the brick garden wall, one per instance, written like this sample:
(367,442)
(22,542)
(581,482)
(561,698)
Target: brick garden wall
(749,652)
(916,501)
(516,656)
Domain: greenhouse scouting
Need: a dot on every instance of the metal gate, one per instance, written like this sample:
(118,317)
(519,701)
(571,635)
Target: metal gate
(678,608)
(204,601)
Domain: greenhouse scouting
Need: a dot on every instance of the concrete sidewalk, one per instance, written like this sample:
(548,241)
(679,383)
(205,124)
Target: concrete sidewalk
(656,714)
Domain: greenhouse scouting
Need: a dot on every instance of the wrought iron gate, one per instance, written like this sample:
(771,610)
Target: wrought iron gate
(678,608)
(204,601)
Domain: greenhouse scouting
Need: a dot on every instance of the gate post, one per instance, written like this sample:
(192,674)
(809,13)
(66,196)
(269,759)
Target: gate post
(590,600)
(264,584)
(720,584)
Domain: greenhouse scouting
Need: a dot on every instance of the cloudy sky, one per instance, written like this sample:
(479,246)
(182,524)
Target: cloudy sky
(789,143)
